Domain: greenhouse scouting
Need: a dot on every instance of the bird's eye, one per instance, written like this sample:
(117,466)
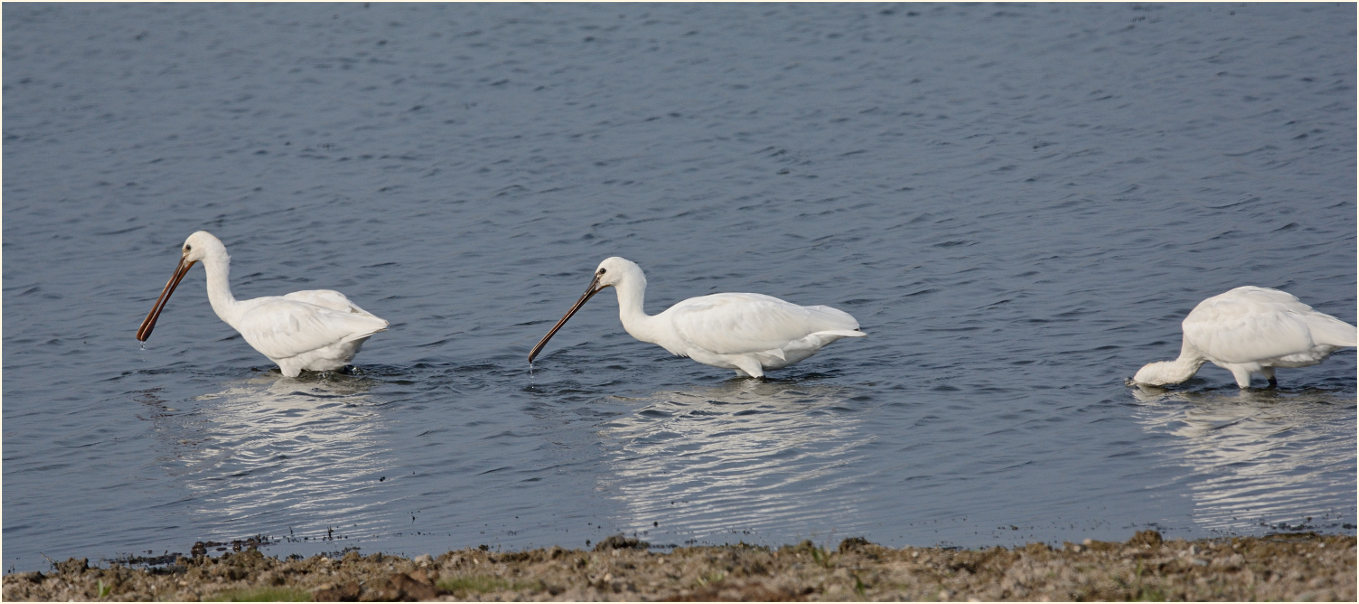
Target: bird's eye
(602,271)
(187,247)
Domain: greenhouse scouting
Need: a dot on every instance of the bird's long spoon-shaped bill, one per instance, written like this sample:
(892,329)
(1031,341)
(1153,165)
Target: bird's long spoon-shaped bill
(589,293)
(149,323)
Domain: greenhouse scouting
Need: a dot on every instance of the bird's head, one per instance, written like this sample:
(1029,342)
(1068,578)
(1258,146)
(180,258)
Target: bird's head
(197,246)
(613,271)
(1150,375)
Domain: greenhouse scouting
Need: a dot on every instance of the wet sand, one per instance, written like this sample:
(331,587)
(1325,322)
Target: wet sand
(1146,567)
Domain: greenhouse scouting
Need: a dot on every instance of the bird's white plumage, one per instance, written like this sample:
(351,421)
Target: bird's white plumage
(737,323)
(746,332)
(1251,330)
(315,330)
(305,335)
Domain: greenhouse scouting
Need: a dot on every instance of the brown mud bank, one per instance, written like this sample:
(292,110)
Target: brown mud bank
(1146,567)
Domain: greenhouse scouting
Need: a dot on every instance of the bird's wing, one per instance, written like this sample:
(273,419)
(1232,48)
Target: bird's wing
(283,327)
(326,298)
(739,323)
(1244,330)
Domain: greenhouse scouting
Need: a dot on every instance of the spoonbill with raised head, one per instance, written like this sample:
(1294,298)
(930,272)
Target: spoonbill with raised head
(315,330)
(750,333)
(1250,330)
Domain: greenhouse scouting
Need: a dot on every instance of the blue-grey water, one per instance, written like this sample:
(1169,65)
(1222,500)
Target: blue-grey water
(1019,204)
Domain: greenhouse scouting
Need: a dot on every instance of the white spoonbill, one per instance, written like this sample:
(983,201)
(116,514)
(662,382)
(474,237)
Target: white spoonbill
(315,329)
(1251,330)
(746,332)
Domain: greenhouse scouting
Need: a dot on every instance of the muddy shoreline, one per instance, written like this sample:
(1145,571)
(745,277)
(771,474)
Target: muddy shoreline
(1304,566)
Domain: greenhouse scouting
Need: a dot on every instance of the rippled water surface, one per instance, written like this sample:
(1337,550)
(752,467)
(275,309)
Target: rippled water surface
(1018,203)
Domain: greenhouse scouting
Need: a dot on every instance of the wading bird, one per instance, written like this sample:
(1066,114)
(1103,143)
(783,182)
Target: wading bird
(746,332)
(1250,330)
(315,329)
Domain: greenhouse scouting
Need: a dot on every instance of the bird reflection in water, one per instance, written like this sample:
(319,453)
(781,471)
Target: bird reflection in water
(1258,458)
(738,457)
(279,456)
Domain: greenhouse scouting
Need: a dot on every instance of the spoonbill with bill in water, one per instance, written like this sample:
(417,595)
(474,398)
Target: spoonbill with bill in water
(750,333)
(315,329)
(1250,330)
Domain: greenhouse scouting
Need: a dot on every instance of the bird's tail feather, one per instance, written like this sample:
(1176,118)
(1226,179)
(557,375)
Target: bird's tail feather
(1330,331)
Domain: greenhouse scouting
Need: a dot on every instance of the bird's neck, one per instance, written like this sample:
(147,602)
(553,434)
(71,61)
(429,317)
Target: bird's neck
(1176,371)
(1172,372)
(1187,364)
(638,324)
(219,289)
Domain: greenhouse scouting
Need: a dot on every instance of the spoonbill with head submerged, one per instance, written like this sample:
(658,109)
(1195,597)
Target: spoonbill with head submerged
(746,332)
(1251,330)
(315,329)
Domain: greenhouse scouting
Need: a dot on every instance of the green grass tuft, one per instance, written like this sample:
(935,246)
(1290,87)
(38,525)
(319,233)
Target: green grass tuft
(480,584)
(264,594)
